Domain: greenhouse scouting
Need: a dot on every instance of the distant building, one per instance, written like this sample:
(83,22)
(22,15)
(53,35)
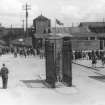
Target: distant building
(95,27)
(94,31)
(3,31)
(87,36)
(12,34)
(42,25)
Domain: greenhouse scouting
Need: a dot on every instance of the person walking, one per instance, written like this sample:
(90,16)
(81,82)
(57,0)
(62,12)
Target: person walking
(4,74)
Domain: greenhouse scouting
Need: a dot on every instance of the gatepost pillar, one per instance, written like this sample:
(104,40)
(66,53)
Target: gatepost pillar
(67,61)
(50,64)
(58,53)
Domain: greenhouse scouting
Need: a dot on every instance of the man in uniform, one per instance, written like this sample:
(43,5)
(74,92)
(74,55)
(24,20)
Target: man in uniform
(4,75)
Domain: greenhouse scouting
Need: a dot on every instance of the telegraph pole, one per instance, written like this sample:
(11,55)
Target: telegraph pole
(23,26)
(27,7)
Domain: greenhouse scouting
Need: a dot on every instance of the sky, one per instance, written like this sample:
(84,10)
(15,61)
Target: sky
(67,11)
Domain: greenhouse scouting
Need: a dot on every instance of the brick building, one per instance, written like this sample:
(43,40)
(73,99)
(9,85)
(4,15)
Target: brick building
(86,36)
(42,27)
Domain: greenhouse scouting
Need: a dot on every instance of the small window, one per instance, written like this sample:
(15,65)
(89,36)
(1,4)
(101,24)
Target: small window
(92,38)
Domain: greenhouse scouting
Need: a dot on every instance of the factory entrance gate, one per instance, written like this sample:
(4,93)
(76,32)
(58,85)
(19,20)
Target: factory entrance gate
(58,52)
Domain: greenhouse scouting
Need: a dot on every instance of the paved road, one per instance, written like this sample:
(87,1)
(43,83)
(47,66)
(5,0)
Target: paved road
(25,89)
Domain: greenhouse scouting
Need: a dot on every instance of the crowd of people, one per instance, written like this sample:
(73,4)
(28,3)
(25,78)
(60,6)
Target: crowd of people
(22,51)
(17,51)
(90,55)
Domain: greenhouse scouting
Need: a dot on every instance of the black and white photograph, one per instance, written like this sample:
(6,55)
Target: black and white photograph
(52,52)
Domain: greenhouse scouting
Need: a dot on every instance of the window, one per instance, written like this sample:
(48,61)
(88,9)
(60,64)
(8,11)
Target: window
(92,38)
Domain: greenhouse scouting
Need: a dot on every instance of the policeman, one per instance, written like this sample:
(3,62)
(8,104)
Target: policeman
(4,75)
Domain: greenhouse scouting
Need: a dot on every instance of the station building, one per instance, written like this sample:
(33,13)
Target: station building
(86,36)
(42,25)
(42,28)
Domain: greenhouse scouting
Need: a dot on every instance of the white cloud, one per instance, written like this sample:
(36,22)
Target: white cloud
(12,12)
(79,10)
(66,10)
(10,6)
(71,11)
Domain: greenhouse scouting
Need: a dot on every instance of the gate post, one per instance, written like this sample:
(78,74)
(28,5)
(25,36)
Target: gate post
(58,53)
(67,61)
(50,63)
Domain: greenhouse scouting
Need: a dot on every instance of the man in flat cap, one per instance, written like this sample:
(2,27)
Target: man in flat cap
(4,75)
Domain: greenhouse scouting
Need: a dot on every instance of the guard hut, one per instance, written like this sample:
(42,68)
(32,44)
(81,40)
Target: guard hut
(58,51)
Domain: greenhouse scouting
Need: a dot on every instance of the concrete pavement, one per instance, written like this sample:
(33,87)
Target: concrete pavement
(25,86)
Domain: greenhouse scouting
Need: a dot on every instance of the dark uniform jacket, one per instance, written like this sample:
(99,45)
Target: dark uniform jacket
(4,72)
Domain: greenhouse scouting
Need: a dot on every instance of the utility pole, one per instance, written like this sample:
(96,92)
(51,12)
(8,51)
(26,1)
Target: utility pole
(10,35)
(27,7)
(72,24)
(23,26)
(103,20)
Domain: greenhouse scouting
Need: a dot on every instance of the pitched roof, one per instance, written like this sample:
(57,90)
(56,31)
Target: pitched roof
(72,30)
(41,18)
(92,24)
(79,30)
(76,32)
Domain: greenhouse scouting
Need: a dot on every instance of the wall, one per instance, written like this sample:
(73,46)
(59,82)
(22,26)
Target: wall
(85,44)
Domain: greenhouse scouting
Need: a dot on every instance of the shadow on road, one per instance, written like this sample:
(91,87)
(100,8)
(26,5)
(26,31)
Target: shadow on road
(99,78)
(34,83)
